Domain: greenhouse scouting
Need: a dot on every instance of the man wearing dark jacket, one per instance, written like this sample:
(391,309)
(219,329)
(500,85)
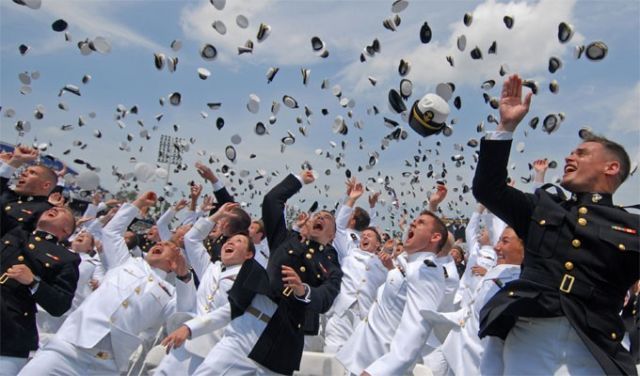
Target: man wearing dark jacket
(581,256)
(23,205)
(35,269)
(272,310)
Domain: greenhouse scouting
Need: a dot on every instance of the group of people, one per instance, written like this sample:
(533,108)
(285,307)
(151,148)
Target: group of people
(542,284)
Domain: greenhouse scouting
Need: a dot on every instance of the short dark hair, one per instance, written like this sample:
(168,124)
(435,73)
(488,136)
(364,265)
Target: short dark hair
(252,247)
(458,248)
(73,222)
(239,221)
(361,219)
(260,224)
(375,231)
(618,152)
(48,175)
(440,228)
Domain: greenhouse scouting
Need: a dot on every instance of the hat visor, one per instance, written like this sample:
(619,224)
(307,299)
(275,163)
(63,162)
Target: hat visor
(421,125)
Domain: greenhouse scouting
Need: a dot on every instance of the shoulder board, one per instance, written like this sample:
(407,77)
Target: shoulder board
(446,273)
(430,263)
(554,190)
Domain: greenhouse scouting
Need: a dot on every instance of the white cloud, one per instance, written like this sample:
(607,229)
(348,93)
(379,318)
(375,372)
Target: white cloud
(525,48)
(86,19)
(626,111)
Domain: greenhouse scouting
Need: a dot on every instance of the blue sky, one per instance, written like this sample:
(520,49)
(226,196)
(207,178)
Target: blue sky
(603,95)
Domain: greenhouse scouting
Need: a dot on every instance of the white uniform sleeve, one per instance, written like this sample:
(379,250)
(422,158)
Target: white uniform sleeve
(424,292)
(163,224)
(98,271)
(185,296)
(498,135)
(341,241)
(495,226)
(195,252)
(214,320)
(115,251)
(92,210)
(191,217)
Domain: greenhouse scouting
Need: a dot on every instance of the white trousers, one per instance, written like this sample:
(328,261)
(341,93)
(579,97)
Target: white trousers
(11,365)
(177,363)
(339,329)
(60,358)
(230,356)
(547,346)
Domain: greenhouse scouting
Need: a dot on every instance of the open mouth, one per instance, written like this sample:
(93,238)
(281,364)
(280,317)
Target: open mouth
(410,234)
(569,168)
(318,226)
(156,251)
(228,250)
(365,243)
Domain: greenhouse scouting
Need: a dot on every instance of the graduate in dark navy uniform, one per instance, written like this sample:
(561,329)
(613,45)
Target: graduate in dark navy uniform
(563,314)
(272,310)
(237,222)
(34,269)
(23,205)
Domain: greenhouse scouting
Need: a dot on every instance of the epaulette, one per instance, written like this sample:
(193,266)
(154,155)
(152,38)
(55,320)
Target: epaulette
(557,191)
(446,273)
(430,263)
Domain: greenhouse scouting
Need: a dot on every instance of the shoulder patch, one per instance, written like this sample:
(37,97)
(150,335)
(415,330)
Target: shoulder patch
(430,263)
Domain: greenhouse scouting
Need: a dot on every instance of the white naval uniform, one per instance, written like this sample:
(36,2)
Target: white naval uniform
(432,353)
(371,338)
(90,268)
(425,290)
(363,275)
(230,355)
(345,239)
(215,282)
(463,349)
(484,256)
(262,252)
(100,336)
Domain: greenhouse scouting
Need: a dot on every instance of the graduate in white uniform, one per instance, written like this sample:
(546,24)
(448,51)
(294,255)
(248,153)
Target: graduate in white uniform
(350,221)
(259,239)
(363,274)
(463,349)
(215,281)
(390,339)
(426,237)
(482,256)
(100,336)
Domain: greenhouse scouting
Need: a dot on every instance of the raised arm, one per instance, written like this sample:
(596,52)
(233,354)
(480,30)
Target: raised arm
(194,249)
(219,190)
(437,196)
(165,219)
(342,242)
(273,207)
(490,181)
(115,251)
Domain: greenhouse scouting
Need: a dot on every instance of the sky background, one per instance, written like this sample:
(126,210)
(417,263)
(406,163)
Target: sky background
(603,95)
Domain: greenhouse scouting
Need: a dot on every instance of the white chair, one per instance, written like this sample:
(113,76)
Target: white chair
(319,364)
(421,370)
(152,360)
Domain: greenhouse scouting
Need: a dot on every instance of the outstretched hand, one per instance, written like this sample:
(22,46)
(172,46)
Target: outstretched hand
(307,176)
(206,173)
(512,108)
